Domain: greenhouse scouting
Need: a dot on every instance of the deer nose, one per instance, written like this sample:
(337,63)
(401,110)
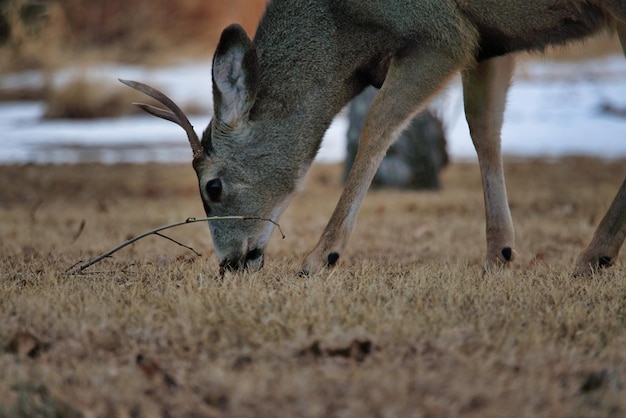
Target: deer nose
(252,261)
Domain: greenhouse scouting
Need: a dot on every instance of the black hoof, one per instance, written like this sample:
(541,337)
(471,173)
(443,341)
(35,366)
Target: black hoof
(604,262)
(303,273)
(507,253)
(332,258)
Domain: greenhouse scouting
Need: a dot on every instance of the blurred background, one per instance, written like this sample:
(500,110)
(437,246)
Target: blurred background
(60,101)
(53,33)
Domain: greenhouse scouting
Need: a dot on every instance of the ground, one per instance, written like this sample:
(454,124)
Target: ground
(406,324)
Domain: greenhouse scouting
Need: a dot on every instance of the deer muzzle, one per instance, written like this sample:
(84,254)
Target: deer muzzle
(251,261)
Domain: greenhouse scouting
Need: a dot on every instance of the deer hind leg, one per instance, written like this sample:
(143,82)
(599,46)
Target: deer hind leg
(484,89)
(411,80)
(608,238)
(610,234)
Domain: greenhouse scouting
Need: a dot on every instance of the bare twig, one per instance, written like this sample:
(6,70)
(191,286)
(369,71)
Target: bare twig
(179,243)
(81,227)
(79,267)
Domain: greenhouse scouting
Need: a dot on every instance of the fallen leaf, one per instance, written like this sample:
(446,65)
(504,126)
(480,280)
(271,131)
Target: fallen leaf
(357,350)
(25,344)
(314,350)
(241,361)
(154,372)
(593,381)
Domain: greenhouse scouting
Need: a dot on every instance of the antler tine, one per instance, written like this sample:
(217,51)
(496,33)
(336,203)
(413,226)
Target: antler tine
(175,114)
(160,113)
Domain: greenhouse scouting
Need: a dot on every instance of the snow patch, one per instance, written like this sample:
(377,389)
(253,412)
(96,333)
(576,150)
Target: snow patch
(554,109)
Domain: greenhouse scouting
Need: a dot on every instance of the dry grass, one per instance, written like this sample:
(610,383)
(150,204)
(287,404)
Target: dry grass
(88,99)
(405,326)
(84,98)
(75,33)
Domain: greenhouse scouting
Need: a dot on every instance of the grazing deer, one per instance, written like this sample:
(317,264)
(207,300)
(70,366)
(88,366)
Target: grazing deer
(275,97)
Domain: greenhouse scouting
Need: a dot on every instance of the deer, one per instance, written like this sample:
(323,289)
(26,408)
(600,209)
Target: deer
(274,97)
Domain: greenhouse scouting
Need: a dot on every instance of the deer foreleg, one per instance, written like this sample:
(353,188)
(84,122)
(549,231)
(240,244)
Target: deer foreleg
(411,80)
(484,89)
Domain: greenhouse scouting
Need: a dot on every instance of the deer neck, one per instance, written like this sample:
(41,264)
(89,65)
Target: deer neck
(300,87)
(297,106)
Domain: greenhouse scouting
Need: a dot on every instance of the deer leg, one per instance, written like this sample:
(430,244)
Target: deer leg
(610,234)
(608,238)
(412,78)
(484,89)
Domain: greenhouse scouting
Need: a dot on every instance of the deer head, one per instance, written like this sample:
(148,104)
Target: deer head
(237,174)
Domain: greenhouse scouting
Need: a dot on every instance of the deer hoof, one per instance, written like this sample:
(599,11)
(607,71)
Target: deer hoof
(314,264)
(605,262)
(501,258)
(498,260)
(585,266)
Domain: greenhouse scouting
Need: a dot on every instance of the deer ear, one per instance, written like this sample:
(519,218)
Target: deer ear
(235,76)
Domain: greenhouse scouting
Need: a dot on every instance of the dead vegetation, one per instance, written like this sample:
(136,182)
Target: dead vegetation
(52,35)
(406,325)
(82,98)
(89,98)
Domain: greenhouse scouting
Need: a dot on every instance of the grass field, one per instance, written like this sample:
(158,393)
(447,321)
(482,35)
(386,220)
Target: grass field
(405,326)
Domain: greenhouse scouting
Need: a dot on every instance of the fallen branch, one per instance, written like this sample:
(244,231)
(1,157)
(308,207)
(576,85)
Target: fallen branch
(79,267)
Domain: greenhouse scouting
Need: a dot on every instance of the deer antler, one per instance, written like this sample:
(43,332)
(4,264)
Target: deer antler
(175,114)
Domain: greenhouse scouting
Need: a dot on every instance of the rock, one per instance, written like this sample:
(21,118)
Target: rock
(414,160)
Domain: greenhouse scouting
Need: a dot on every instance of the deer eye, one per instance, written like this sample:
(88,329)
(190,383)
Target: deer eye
(214,190)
